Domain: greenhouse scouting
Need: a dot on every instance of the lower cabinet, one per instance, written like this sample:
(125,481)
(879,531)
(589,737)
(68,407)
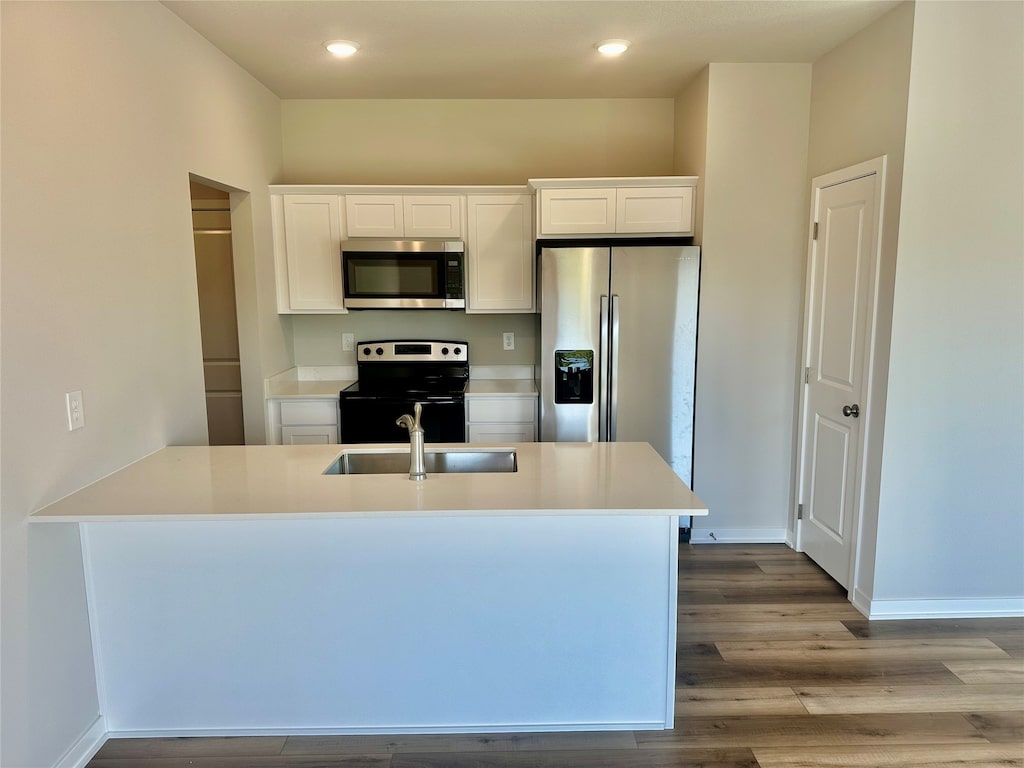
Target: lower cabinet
(505,419)
(303,422)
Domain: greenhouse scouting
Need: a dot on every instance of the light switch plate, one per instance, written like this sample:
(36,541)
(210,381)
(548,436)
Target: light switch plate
(508,341)
(75,409)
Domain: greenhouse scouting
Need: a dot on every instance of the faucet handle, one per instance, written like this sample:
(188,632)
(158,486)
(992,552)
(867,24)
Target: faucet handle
(417,411)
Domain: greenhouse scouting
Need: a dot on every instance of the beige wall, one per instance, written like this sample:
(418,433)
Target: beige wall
(951,503)
(691,141)
(858,112)
(752,257)
(107,108)
(473,141)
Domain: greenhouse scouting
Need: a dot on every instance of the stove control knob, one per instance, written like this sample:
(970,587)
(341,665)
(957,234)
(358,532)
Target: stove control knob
(366,350)
(458,350)
(444,350)
(380,350)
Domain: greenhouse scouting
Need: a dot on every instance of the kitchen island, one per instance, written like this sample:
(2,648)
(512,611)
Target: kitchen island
(240,590)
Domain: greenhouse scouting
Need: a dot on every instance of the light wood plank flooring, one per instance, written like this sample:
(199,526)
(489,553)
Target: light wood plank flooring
(775,670)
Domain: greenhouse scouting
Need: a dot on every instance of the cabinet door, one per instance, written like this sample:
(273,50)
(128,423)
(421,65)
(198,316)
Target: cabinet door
(577,211)
(312,229)
(500,264)
(375,215)
(655,210)
(501,433)
(316,435)
(433,215)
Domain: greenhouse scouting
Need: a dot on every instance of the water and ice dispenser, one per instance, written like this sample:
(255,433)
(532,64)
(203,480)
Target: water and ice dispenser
(574,376)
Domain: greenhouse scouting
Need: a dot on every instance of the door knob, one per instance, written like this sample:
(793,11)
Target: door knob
(851,410)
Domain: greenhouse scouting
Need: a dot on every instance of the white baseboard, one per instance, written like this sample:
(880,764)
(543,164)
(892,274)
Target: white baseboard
(979,608)
(177,733)
(737,535)
(87,745)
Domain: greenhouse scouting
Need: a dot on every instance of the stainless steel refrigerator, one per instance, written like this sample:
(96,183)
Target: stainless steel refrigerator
(619,344)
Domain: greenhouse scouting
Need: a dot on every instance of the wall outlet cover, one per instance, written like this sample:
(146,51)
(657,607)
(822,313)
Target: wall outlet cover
(75,410)
(348,342)
(508,341)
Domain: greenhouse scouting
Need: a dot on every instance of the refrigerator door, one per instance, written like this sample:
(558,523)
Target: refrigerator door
(654,349)
(573,288)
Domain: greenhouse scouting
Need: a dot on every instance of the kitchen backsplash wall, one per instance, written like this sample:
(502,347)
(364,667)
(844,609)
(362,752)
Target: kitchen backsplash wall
(318,338)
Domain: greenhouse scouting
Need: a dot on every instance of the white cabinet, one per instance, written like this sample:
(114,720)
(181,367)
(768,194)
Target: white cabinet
(577,211)
(499,254)
(501,419)
(404,215)
(640,206)
(322,435)
(654,210)
(307,250)
(308,421)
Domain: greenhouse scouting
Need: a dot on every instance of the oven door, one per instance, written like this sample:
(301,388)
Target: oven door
(382,280)
(371,419)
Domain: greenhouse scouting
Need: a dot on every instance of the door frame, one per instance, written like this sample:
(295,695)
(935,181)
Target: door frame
(876,167)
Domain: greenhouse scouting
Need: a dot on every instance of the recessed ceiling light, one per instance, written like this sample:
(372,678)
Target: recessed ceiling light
(612,47)
(341,47)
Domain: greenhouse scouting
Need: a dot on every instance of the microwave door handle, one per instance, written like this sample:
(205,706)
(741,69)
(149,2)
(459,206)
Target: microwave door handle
(602,372)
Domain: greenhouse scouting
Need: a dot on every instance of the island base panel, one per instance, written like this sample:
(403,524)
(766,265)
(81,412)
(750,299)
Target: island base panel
(384,625)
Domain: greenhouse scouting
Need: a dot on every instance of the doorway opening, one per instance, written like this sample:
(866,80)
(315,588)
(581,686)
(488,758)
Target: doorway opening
(218,315)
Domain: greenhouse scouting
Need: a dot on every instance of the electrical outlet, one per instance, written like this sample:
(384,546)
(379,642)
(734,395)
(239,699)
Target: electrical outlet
(76,410)
(348,342)
(508,341)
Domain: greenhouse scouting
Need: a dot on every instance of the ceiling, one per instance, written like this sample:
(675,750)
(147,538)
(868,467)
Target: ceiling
(513,49)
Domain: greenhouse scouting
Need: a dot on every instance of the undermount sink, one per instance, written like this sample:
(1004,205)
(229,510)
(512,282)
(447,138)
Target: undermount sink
(441,461)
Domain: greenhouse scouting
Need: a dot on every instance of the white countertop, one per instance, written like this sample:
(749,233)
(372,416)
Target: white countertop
(267,482)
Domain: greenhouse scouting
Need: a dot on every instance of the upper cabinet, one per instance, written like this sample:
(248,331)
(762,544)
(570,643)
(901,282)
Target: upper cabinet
(310,222)
(628,206)
(404,215)
(307,250)
(499,254)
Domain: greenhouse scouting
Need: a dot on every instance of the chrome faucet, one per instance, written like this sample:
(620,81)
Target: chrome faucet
(412,423)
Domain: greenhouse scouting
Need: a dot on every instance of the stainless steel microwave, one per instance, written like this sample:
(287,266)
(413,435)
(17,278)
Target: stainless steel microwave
(404,274)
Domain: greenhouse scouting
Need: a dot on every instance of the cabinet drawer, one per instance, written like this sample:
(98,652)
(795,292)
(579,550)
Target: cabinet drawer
(501,409)
(501,433)
(299,412)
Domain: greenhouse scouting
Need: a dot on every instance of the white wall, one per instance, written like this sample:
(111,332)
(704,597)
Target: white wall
(951,507)
(752,258)
(473,141)
(106,109)
(859,112)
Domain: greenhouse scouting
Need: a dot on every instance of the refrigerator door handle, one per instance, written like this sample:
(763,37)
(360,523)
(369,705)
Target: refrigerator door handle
(613,373)
(602,373)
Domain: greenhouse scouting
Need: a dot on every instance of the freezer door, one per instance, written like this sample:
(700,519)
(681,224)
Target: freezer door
(573,282)
(654,348)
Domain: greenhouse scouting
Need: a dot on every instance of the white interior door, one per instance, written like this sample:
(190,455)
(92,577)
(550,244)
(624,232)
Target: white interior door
(841,287)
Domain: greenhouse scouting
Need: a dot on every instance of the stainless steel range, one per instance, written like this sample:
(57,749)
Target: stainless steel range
(393,377)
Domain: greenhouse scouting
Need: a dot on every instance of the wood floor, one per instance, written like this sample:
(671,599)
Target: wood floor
(775,669)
